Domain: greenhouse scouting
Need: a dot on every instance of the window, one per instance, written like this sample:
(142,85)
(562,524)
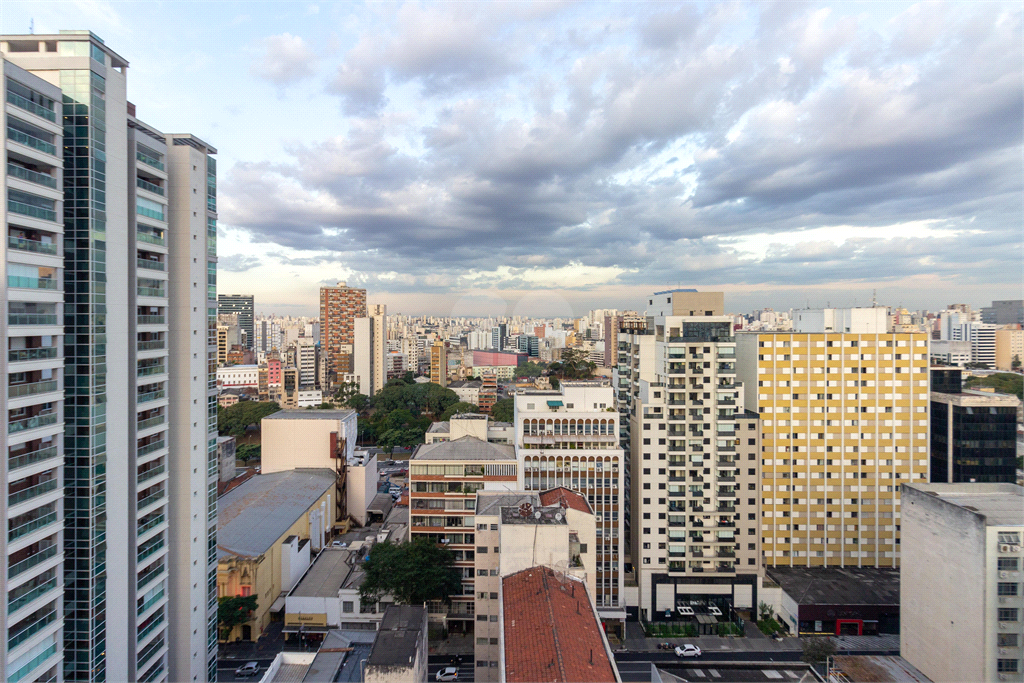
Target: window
(1007,588)
(1009,537)
(1008,564)
(481,550)
(348,607)
(481,572)
(1007,614)
(494,527)
(583,548)
(493,618)
(1007,666)
(1007,640)
(481,663)
(494,596)
(481,617)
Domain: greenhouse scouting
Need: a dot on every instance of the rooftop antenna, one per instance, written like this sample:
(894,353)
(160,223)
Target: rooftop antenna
(32,26)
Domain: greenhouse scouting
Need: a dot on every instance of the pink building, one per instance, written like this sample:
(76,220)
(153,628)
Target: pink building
(273,371)
(489,358)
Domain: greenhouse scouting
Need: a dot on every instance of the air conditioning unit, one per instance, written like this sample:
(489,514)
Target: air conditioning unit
(1002,650)
(1002,601)
(1016,548)
(1002,575)
(1004,548)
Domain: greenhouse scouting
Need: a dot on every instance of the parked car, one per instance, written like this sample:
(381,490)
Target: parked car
(449,673)
(688,650)
(248,669)
(339,544)
(714,611)
(684,610)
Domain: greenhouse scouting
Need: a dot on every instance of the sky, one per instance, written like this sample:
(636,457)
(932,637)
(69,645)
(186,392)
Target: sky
(547,158)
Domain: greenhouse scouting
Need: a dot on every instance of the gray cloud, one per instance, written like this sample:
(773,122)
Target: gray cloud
(237,263)
(545,152)
(284,59)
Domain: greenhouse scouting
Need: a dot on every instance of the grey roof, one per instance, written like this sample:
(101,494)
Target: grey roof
(252,516)
(381,503)
(552,515)
(439,428)
(326,575)
(839,585)
(331,658)
(465,448)
(338,414)
(999,504)
(491,502)
(398,637)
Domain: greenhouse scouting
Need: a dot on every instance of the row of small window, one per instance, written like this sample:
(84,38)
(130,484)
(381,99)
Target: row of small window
(484,664)
(847,344)
(1008,564)
(485,641)
(1008,666)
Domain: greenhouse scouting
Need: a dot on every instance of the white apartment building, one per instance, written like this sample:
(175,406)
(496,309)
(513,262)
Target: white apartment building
(305,361)
(983,343)
(694,460)
(33,388)
(234,376)
(962,598)
(569,438)
(133,277)
(844,424)
(369,349)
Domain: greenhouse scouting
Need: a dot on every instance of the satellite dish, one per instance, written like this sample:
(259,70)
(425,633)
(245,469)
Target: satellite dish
(558,516)
(537,514)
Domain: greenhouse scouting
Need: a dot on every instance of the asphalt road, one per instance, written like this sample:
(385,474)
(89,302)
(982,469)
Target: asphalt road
(465,670)
(226,669)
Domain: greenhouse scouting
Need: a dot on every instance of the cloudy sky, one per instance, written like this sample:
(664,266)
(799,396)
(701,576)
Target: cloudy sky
(546,158)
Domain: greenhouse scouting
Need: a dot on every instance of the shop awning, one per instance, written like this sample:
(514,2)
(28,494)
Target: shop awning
(278,605)
(554,404)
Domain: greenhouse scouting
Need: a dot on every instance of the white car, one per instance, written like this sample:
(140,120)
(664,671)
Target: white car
(339,544)
(684,610)
(248,669)
(449,673)
(714,611)
(688,650)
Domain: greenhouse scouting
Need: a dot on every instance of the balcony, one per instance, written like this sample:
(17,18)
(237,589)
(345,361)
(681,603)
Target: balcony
(31,141)
(34,246)
(146,475)
(14,604)
(32,492)
(150,396)
(31,107)
(31,319)
(31,176)
(40,353)
(150,548)
(150,264)
(726,508)
(151,345)
(150,422)
(152,601)
(150,370)
(150,238)
(149,161)
(148,628)
(34,422)
(150,448)
(151,499)
(726,478)
(725,553)
(31,388)
(22,282)
(156,521)
(17,461)
(149,187)
(151,573)
(34,662)
(33,525)
(41,620)
(31,561)
(152,319)
(152,291)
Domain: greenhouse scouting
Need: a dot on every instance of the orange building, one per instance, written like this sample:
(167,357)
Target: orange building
(340,305)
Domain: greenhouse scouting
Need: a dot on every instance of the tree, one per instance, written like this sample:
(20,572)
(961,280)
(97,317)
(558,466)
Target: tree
(765,610)
(438,399)
(460,407)
(817,649)
(234,420)
(345,391)
(234,611)
(409,377)
(504,410)
(1015,364)
(529,369)
(247,451)
(1003,382)
(413,573)
(358,402)
(575,364)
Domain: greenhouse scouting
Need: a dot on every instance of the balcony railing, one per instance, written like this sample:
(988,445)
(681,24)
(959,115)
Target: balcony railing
(34,246)
(33,422)
(31,141)
(39,658)
(31,176)
(155,571)
(25,598)
(156,521)
(40,353)
(151,345)
(148,628)
(23,282)
(150,422)
(30,106)
(33,211)
(25,459)
(150,238)
(152,601)
(36,626)
(150,473)
(149,500)
(149,187)
(150,264)
(31,492)
(31,319)
(29,527)
(17,390)
(151,370)
(31,561)
(150,447)
(148,550)
(148,160)
(152,291)
(152,319)
(150,213)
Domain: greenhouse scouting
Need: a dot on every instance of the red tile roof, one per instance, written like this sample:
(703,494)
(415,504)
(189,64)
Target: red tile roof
(551,632)
(567,498)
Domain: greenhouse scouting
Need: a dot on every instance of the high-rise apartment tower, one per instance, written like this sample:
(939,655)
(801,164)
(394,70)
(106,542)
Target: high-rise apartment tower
(243,306)
(340,305)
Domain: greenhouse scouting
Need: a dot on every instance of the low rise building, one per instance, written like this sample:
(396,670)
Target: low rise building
(550,630)
(960,610)
(468,391)
(266,529)
(471,424)
(238,376)
(1010,348)
(361,484)
(950,352)
(307,438)
(841,601)
(399,652)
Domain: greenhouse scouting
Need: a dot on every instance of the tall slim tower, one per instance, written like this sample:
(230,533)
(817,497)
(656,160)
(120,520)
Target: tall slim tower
(32,362)
(243,306)
(340,305)
(370,347)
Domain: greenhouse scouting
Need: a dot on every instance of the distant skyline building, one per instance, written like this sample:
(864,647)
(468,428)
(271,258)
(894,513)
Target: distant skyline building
(243,305)
(370,348)
(340,305)
(1006,312)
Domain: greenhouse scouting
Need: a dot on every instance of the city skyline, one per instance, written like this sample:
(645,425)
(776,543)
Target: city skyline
(424,178)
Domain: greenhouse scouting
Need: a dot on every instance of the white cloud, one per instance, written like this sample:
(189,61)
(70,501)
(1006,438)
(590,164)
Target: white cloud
(285,59)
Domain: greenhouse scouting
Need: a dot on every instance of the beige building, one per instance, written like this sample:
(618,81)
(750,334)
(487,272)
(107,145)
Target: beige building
(471,424)
(307,438)
(1009,347)
(369,350)
(267,530)
(439,363)
(844,424)
(517,531)
(961,603)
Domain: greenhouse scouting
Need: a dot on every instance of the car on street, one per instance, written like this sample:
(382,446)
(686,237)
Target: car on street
(248,669)
(339,544)
(688,650)
(449,673)
(684,610)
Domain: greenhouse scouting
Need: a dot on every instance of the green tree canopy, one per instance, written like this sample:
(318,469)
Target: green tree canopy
(460,407)
(575,364)
(234,611)
(504,410)
(817,649)
(413,573)
(1003,382)
(529,369)
(247,451)
(358,402)
(234,420)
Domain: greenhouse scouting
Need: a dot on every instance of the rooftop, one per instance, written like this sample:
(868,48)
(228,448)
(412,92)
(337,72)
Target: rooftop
(325,577)
(338,414)
(878,668)
(533,515)
(565,498)
(999,504)
(838,585)
(673,291)
(491,502)
(251,517)
(398,637)
(551,631)
(333,656)
(464,448)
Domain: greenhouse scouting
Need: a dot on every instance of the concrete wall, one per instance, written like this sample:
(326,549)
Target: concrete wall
(289,444)
(528,545)
(361,488)
(942,580)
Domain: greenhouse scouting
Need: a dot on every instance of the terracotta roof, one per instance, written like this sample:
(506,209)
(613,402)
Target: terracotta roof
(566,498)
(551,631)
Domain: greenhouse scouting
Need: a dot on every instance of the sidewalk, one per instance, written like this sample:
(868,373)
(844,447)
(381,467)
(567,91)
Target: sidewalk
(267,647)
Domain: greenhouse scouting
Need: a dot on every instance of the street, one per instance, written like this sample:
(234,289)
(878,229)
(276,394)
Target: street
(226,669)
(434,664)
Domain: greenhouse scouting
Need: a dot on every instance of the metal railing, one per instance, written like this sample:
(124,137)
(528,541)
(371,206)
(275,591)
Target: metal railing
(150,213)
(152,291)
(31,319)
(23,282)
(156,521)
(40,353)
(29,527)
(18,390)
(150,473)
(31,492)
(38,659)
(149,500)
(35,627)
(34,246)
(33,422)
(151,344)
(147,629)
(150,264)
(151,370)
(152,601)
(16,461)
(150,549)
(150,422)
(33,211)
(31,561)
(148,160)
(150,447)
(17,603)
(31,176)
(149,187)
(31,141)
(150,238)
(31,107)
(152,319)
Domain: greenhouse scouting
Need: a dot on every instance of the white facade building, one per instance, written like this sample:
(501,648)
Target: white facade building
(850,320)
(234,376)
(369,350)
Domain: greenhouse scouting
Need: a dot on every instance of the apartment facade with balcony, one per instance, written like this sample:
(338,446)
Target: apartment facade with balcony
(694,460)
(845,421)
(570,438)
(32,613)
